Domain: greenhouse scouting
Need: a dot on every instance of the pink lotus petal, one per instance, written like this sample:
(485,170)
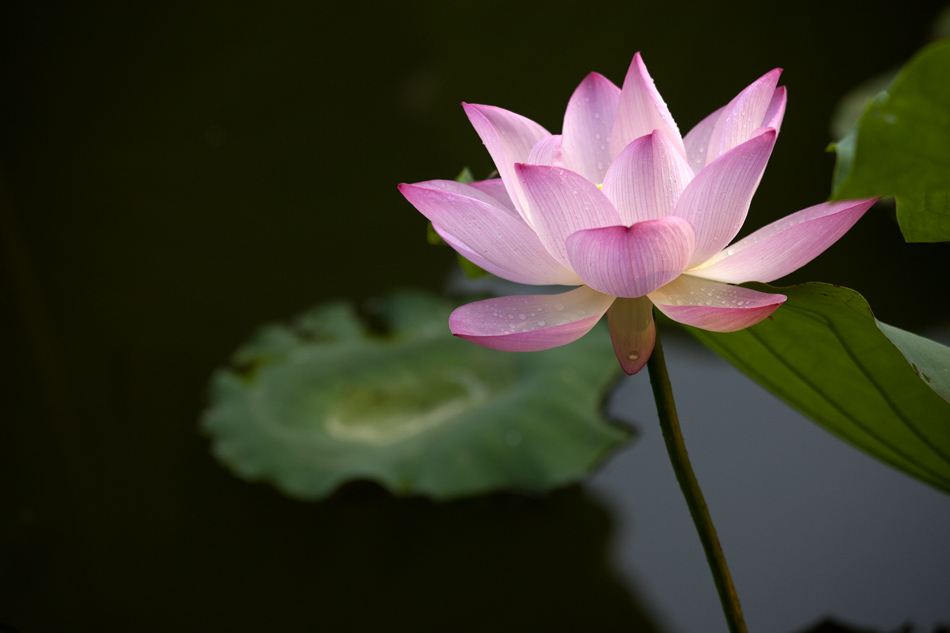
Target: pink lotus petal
(776,111)
(632,332)
(717,200)
(480,261)
(743,115)
(547,151)
(696,141)
(647,178)
(587,125)
(471,218)
(561,202)
(698,138)
(528,323)
(786,245)
(641,110)
(482,191)
(509,138)
(496,189)
(634,261)
(714,306)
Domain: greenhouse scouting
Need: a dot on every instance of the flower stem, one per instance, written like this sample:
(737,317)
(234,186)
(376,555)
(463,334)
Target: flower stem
(669,422)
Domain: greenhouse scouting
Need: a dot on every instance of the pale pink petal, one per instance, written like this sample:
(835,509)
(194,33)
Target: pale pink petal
(632,332)
(776,111)
(484,228)
(529,323)
(717,200)
(646,179)
(743,116)
(496,189)
(487,191)
(562,202)
(631,261)
(587,124)
(697,140)
(715,306)
(547,151)
(786,245)
(641,110)
(480,261)
(509,138)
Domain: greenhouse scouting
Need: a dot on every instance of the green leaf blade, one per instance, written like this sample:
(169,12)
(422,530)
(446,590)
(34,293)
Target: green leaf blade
(929,360)
(901,147)
(823,353)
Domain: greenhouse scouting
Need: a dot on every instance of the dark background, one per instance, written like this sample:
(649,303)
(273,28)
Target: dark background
(172,176)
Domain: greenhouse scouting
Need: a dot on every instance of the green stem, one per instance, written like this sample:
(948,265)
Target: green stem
(669,422)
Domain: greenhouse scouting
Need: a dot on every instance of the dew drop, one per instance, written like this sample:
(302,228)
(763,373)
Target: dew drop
(597,115)
(730,251)
(633,355)
(597,136)
(558,306)
(540,323)
(522,317)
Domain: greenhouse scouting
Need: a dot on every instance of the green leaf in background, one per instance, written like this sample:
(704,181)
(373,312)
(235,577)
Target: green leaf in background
(824,353)
(409,406)
(901,147)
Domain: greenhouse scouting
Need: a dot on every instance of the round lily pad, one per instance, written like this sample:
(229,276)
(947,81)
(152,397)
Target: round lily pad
(396,399)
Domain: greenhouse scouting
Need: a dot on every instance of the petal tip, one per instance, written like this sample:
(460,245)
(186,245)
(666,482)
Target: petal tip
(632,363)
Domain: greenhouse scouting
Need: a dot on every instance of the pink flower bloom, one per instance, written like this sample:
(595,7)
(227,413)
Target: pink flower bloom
(629,211)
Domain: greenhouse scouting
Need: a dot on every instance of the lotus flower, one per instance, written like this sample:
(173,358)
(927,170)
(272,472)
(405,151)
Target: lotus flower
(630,212)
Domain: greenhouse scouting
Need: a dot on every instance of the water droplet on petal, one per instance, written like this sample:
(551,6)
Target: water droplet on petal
(522,317)
(558,306)
(540,323)
(633,355)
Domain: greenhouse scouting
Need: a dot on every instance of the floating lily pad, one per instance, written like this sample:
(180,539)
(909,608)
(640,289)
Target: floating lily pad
(900,147)
(874,386)
(403,403)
